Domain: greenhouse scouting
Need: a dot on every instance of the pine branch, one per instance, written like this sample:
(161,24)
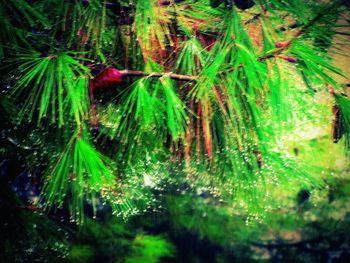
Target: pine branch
(281,46)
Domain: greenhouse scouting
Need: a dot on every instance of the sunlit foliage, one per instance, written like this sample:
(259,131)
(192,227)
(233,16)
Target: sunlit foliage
(211,96)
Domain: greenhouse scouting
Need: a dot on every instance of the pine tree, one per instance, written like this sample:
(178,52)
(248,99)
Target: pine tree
(115,98)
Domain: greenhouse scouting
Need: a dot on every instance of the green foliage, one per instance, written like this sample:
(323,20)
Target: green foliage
(149,27)
(14,15)
(96,241)
(150,249)
(57,87)
(315,63)
(92,28)
(209,219)
(79,167)
(81,253)
(192,57)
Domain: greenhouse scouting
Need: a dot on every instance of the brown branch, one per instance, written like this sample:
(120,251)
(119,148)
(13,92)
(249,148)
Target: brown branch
(137,73)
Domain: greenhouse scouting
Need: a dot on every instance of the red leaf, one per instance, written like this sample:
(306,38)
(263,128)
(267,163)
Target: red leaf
(107,78)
